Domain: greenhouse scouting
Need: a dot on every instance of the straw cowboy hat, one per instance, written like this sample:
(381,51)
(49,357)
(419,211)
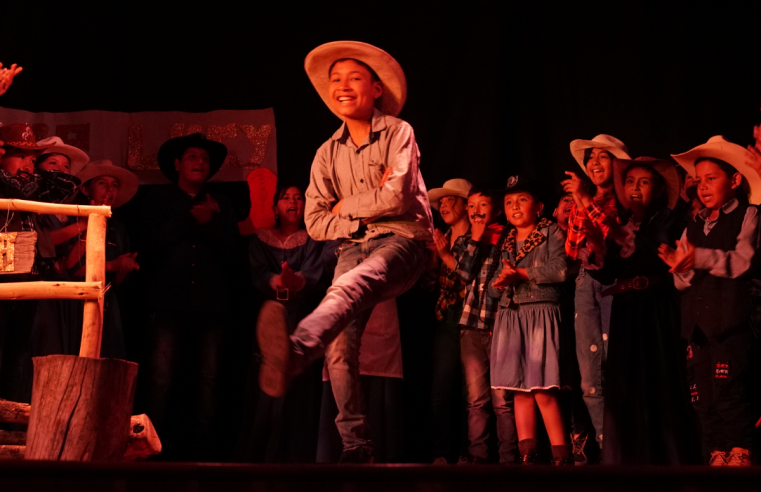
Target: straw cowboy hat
(174,148)
(390,73)
(720,148)
(77,157)
(20,135)
(453,187)
(128,182)
(601,141)
(662,167)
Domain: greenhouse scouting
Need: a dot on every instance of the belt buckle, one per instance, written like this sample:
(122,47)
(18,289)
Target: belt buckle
(640,283)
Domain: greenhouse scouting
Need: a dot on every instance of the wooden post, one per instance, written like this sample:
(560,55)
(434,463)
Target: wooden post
(92,328)
(80,408)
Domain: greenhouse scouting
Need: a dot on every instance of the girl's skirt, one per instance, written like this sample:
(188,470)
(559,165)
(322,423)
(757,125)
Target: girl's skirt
(526,347)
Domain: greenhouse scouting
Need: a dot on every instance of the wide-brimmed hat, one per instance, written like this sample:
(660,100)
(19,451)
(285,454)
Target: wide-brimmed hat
(720,148)
(20,135)
(128,182)
(536,188)
(453,187)
(665,168)
(601,141)
(174,148)
(77,157)
(390,73)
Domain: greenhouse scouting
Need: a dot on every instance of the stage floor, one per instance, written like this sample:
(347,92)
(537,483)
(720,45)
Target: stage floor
(29,476)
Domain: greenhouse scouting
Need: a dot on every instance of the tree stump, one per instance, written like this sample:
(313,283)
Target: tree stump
(81,408)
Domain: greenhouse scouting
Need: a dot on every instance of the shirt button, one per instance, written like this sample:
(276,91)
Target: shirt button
(605,336)
(593,348)
(192,264)
(361,180)
(194,246)
(592,390)
(192,282)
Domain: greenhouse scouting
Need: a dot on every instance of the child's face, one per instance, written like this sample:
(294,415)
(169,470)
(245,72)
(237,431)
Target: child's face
(193,167)
(352,90)
(600,167)
(563,211)
(55,162)
(452,209)
(715,188)
(521,209)
(638,188)
(102,190)
(18,162)
(290,206)
(481,209)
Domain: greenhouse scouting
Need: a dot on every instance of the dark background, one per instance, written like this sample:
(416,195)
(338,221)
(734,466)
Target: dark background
(495,89)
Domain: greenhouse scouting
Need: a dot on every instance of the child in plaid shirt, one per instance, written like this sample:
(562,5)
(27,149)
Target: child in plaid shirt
(476,323)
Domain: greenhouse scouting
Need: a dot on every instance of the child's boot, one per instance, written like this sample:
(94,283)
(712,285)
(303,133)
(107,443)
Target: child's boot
(562,455)
(738,457)
(718,458)
(527,448)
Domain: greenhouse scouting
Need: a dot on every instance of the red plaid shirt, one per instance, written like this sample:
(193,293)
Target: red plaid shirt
(603,214)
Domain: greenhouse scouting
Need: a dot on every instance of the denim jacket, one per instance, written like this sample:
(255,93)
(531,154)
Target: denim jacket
(545,262)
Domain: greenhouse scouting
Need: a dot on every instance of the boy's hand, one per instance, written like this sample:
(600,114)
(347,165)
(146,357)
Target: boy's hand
(205,211)
(6,76)
(477,229)
(575,186)
(125,263)
(681,258)
(506,276)
(442,244)
(337,207)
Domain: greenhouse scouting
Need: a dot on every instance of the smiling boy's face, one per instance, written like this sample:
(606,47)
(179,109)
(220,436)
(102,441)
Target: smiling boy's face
(481,210)
(352,90)
(600,167)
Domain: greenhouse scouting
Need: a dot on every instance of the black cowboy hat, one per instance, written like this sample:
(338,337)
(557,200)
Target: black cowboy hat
(174,148)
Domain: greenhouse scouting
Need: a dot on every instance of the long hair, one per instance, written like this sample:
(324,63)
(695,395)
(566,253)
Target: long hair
(279,192)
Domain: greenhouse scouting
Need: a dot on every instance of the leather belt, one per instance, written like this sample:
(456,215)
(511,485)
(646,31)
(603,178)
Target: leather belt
(636,283)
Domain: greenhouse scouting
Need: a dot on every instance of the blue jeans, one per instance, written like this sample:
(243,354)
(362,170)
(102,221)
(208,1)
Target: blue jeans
(366,274)
(592,329)
(475,350)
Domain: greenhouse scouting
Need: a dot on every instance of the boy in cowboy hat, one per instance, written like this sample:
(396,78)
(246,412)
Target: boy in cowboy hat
(451,201)
(190,233)
(712,263)
(383,228)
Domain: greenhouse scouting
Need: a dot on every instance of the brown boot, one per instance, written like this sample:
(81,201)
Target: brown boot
(738,457)
(562,455)
(527,448)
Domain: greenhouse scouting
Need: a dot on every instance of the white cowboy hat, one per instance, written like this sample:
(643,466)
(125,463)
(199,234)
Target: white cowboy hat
(601,141)
(77,157)
(128,182)
(453,187)
(720,148)
(319,60)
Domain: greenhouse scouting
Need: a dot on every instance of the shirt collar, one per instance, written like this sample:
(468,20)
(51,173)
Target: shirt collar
(727,208)
(377,124)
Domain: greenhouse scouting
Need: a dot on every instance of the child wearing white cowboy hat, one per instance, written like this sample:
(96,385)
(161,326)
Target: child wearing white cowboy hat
(712,263)
(384,228)
(61,157)
(593,215)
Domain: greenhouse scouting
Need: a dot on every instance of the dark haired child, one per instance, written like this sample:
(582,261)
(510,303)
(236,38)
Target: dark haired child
(525,352)
(591,219)
(712,264)
(447,410)
(645,404)
(477,266)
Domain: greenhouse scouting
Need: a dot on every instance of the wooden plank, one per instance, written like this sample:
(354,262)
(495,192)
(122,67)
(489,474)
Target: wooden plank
(13,438)
(17,291)
(13,204)
(95,271)
(14,413)
(11,452)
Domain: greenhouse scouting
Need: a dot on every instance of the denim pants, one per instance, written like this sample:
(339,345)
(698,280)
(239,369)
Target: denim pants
(592,329)
(367,274)
(475,350)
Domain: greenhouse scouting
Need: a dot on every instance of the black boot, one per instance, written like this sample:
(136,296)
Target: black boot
(562,455)
(527,448)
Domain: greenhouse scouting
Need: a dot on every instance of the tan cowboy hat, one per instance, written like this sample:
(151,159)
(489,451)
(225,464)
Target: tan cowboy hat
(77,157)
(453,187)
(601,141)
(21,136)
(662,167)
(720,148)
(390,73)
(128,182)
